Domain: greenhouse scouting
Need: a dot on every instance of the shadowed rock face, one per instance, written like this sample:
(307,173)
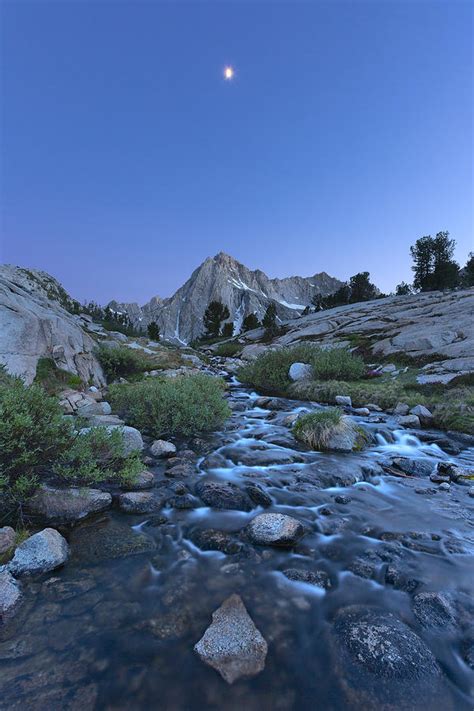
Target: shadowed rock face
(34,324)
(223,278)
(232,644)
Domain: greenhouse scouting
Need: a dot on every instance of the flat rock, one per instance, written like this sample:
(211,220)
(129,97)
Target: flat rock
(273,529)
(144,480)
(42,552)
(318,578)
(10,595)
(61,506)
(232,644)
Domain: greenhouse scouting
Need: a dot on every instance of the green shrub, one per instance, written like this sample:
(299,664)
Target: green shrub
(269,372)
(227,350)
(122,362)
(98,455)
(315,428)
(337,364)
(54,379)
(5,377)
(33,432)
(183,405)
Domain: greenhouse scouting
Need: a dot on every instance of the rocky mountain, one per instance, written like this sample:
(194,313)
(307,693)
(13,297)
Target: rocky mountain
(244,291)
(36,321)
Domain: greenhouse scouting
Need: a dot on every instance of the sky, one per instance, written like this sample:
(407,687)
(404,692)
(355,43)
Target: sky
(127,159)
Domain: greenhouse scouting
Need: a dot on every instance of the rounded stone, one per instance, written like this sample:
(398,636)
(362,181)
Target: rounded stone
(273,529)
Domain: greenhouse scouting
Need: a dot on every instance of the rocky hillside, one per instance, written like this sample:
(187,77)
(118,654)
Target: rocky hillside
(35,323)
(436,329)
(225,279)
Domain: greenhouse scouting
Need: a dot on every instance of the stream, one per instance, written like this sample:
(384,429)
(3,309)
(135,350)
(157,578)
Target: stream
(115,628)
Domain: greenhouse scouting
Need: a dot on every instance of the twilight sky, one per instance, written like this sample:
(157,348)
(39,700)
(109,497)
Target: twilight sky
(127,159)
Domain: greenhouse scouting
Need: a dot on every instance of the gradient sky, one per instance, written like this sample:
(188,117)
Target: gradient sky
(127,159)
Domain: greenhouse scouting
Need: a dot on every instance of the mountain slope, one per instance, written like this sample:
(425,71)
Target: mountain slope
(223,278)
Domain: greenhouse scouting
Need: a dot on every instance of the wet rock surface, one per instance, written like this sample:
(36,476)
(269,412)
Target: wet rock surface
(59,506)
(42,552)
(232,644)
(359,586)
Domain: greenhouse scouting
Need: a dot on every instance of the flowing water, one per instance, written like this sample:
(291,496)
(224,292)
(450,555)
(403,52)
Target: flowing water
(116,627)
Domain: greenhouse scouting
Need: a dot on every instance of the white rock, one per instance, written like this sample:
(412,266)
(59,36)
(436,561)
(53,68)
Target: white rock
(423,413)
(401,409)
(42,552)
(162,448)
(300,371)
(343,400)
(362,411)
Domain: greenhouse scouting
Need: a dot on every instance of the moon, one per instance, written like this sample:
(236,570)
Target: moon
(228,73)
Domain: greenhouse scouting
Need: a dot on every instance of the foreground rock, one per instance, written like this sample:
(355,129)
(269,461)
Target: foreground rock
(223,496)
(42,552)
(232,645)
(62,506)
(10,595)
(272,529)
(382,662)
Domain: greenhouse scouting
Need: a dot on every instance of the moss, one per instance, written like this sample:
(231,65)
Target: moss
(316,428)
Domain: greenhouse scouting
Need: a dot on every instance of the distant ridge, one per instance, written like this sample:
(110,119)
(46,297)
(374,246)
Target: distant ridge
(242,290)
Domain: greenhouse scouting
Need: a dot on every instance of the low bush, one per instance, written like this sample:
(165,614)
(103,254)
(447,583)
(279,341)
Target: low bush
(184,405)
(33,432)
(269,372)
(54,379)
(123,362)
(228,350)
(98,455)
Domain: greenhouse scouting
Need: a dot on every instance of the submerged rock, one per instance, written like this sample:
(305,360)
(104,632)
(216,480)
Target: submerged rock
(382,663)
(10,595)
(232,644)
(273,529)
(318,578)
(434,609)
(58,506)
(42,552)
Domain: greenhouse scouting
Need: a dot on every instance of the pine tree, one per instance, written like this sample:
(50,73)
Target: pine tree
(153,331)
(468,276)
(434,266)
(214,315)
(361,287)
(250,322)
(269,319)
(403,289)
(228,329)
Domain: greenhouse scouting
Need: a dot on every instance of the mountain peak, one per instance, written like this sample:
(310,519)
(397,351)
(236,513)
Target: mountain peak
(224,259)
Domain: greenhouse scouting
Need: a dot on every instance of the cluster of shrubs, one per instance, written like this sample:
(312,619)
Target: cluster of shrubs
(172,406)
(123,362)
(269,372)
(37,441)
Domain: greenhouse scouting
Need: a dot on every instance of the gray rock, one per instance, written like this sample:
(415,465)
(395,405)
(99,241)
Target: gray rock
(223,496)
(401,409)
(343,400)
(62,506)
(139,502)
(34,325)
(373,408)
(318,578)
(300,371)
(424,415)
(471,491)
(89,409)
(7,539)
(42,552)
(162,448)
(273,529)
(132,439)
(434,609)
(10,595)
(144,480)
(362,411)
(232,645)
(414,467)
(410,421)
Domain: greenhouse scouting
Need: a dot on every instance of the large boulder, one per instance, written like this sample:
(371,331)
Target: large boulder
(34,324)
(132,438)
(62,506)
(42,552)
(232,644)
(10,595)
(300,371)
(273,529)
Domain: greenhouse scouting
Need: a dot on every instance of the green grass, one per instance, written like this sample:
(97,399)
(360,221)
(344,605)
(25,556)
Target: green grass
(54,379)
(228,350)
(172,406)
(316,429)
(269,372)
